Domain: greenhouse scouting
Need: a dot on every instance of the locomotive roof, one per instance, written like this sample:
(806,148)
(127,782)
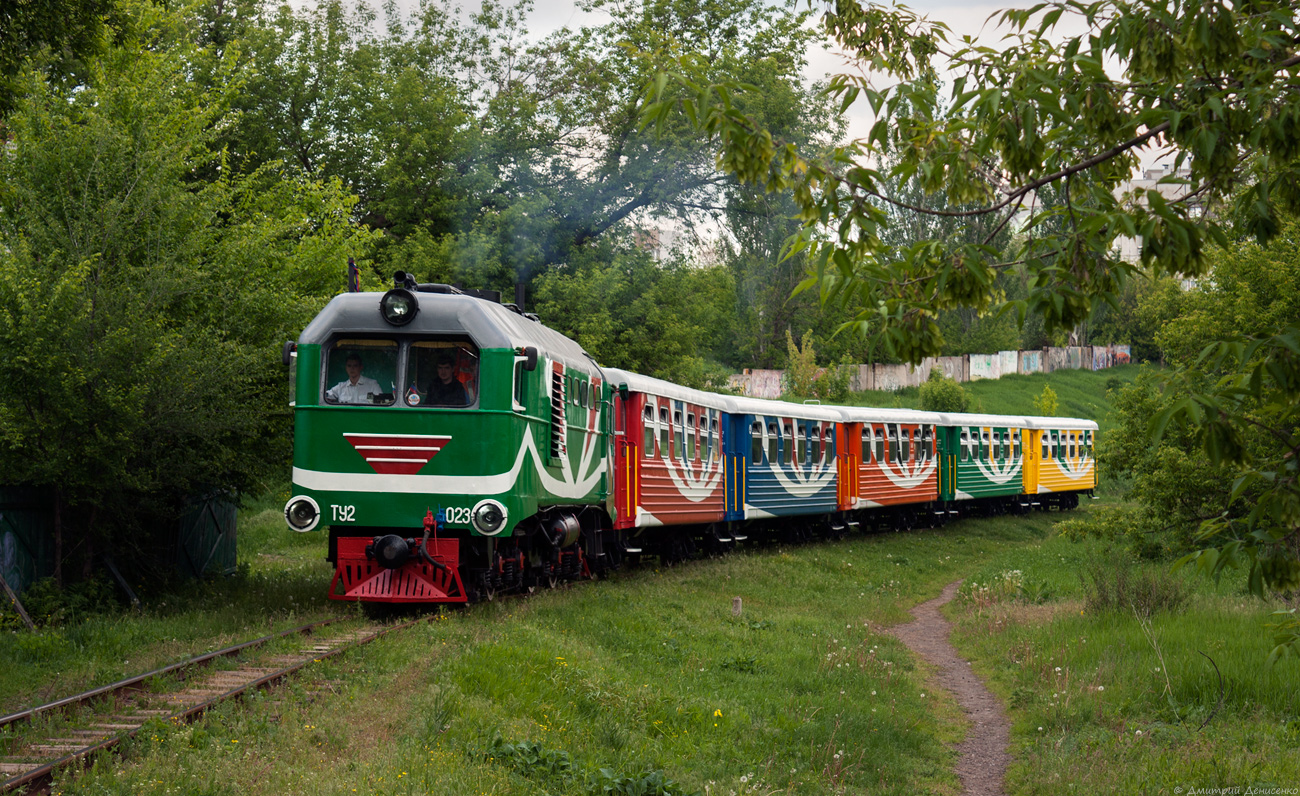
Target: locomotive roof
(491,325)
(648,384)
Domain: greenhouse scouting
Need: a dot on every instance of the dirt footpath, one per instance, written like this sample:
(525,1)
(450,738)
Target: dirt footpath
(983,760)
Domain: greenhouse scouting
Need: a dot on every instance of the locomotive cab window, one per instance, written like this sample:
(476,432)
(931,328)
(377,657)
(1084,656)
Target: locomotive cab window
(361,372)
(441,373)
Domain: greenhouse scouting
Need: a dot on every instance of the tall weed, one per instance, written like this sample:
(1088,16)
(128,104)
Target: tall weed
(1115,584)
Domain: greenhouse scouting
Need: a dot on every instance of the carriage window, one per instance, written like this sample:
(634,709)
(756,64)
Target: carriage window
(756,442)
(1087,443)
(678,449)
(663,431)
(648,435)
(828,444)
(691,432)
(891,435)
(879,435)
(1045,443)
(965,445)
(926,439)
(361,372)
(866,444)
(800,443)
(772,438)
(818,451)
(1015,445)
(1073,446)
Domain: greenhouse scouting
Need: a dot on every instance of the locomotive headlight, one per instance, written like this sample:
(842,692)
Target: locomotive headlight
(399,306)
(301,513)
(489,517)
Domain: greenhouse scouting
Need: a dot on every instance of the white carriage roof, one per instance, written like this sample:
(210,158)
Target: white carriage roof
(977,419)
(763,406)
(877,414)
(1070,423)
(666,389)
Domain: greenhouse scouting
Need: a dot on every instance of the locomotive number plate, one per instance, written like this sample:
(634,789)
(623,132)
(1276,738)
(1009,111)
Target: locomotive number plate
(343,513)
(457,515)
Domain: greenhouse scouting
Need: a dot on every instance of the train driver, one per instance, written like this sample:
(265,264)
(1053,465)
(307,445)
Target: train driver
(446,389)
(356,388)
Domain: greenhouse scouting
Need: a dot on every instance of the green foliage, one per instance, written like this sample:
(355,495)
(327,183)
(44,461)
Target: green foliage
(801,369)
(942,393)
(803,379)
(141,306)
(631,312)
(1046,404)
(1046,113)
(1113,583)
(555,766)
(59,38)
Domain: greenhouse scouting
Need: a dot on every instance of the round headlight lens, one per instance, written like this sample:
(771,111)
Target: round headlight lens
(301,513)
(399,306)
(489,517)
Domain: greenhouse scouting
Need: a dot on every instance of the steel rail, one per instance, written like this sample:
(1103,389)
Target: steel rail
(122,685)
(42,776)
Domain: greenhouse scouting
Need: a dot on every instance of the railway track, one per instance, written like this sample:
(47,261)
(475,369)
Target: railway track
(37,742)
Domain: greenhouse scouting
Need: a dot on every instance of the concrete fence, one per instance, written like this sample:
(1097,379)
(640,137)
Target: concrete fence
(767,383)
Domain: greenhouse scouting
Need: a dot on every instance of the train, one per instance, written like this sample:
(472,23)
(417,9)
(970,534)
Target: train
(455,449)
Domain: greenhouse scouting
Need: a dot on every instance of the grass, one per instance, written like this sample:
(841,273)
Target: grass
(647,682)
(280,585)
(1130,703)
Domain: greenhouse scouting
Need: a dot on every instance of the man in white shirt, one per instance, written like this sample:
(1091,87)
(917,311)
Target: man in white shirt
(356,389)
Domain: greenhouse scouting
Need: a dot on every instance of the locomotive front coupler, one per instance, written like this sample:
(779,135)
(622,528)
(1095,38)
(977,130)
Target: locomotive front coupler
(392,551)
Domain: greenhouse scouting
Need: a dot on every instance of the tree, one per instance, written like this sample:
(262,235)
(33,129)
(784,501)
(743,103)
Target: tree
(494,155)
(1211,81)
(59,37)
(1215,83)
(633,313)
(942,393)
(141,307)
(1047,404)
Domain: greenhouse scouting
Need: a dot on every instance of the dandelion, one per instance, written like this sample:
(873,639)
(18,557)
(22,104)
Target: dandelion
(1058,669)
(1139,732)
(922,695)
(718,712)
(1040,729)
(1101,688)
(873,693)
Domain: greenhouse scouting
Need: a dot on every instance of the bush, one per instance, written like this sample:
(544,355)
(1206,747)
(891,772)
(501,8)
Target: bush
(941,393)
(1113,583)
